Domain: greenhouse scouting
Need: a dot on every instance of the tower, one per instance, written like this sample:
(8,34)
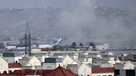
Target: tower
(27,40)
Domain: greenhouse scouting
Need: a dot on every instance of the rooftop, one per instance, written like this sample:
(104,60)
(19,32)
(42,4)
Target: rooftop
(14,65)
(103,70)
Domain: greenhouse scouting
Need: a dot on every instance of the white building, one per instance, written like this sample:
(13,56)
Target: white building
(10,47)
(129,65)
(34,62)
(3,65)
(49,63)
(68,60)
(36,50)
(125,69)
(84,70)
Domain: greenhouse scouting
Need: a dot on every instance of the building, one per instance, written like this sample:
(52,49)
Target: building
(103,71)
(49,63)
(84,70)
(59,71)
(73,68)
(3,65)
(34,62)
(125,69)
(14,66)
(68,60)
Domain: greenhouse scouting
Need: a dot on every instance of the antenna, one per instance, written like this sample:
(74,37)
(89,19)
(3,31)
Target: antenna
(27,39)
(27,29)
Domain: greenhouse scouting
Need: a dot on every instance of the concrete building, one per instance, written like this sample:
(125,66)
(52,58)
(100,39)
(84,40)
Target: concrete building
(84,70)
(68,60)
(49,63)
(34,62)
(3,65)
(125,69)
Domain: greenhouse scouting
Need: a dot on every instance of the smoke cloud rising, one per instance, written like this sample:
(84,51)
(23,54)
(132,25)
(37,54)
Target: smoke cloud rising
(73,20)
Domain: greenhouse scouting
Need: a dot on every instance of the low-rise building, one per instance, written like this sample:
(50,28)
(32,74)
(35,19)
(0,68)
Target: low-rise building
(3,65)
(34,62)
(125,69)
(84,70)
(68,60)
(14,66)
(49,63)
(103,71)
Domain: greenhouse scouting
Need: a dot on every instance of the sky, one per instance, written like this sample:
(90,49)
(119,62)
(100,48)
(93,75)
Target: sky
(123,4)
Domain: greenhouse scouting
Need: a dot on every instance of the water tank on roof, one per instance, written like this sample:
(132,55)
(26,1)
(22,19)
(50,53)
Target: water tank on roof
(50,60)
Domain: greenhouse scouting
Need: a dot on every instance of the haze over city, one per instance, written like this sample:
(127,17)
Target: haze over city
(67,38)
(106,21)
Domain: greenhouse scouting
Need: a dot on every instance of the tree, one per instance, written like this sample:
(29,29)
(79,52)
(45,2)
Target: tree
(2,46)
(93,45)
(81,45)
(73,45)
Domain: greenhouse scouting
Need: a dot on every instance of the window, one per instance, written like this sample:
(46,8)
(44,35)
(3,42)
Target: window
(130,72)
(117,72)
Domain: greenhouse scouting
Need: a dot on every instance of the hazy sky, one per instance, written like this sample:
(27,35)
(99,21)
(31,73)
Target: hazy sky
(78,20)
(127,4)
